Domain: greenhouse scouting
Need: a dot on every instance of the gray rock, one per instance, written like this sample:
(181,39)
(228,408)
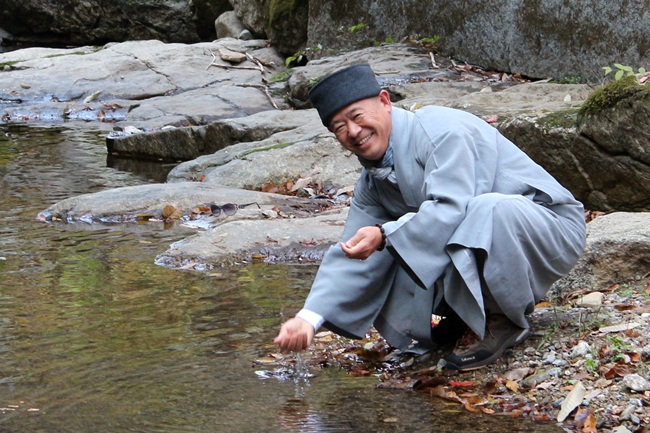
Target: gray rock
(618,247)
(150,83)
(537,39)
(80,22)
(636,382)
(228,25)
(580,350)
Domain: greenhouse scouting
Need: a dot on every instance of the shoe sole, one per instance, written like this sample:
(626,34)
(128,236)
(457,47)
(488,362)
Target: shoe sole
(489,360)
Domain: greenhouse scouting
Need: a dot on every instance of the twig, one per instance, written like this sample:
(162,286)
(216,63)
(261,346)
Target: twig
(262,87)
(259,64)
(433,61)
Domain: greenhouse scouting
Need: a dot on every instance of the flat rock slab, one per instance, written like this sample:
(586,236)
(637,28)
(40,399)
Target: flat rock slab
(159,83)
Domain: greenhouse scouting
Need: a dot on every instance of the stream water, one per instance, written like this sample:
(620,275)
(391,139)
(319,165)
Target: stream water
(94,337)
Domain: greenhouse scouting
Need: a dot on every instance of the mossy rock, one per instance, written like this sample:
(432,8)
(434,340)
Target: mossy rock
(560,119)
(609,95)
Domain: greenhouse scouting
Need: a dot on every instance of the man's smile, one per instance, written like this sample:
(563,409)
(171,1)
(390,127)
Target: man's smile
(363,140)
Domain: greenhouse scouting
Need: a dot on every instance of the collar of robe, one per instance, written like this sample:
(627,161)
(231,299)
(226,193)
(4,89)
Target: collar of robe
(383,169)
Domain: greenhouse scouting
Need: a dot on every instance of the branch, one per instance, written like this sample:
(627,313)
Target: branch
(262,87)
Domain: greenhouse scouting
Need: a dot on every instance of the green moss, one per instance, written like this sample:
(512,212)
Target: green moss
(282,76)
(560,119)
(7,65)
(74,53)
(281,8)
(609,95)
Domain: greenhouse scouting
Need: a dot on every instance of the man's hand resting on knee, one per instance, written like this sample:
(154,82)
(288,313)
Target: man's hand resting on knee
(295,335)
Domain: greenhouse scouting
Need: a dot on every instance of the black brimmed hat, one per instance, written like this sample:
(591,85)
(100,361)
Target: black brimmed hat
(341,88)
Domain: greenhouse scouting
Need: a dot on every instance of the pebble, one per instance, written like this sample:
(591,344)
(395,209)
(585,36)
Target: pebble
(549,358)
(580,349)
(636,382)
(594,299)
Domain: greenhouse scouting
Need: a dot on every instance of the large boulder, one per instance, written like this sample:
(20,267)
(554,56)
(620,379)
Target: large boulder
(553,38)
(617,251)
(283,22)
(601,150)
(85,22)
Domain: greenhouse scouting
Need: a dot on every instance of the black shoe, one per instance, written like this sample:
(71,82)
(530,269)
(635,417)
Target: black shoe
(500,334)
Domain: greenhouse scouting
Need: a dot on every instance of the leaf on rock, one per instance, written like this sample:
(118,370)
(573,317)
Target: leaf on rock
(168,211)
(143,217)
(201,210)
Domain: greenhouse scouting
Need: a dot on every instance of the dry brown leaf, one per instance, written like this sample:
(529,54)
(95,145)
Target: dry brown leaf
(168,211)
(517,374)
(201,210)
(543,305)
(512,386)
(572,400)
(618,328)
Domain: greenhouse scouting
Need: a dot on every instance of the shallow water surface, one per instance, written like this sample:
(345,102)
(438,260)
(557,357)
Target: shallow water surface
(94,337)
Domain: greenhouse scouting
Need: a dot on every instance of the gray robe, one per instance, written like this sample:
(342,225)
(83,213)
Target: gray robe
(463,192)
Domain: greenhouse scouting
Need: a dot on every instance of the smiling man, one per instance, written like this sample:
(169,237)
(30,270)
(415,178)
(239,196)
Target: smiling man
(448,218)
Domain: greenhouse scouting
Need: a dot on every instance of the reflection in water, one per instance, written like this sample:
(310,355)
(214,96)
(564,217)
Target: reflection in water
(95,337)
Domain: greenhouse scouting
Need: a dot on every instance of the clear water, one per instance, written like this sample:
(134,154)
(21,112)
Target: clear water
(94,337)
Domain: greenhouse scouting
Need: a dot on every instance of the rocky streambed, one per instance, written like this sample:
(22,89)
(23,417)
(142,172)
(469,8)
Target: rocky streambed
(240,131)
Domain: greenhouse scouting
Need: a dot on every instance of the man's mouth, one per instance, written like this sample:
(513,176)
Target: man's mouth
(363,140)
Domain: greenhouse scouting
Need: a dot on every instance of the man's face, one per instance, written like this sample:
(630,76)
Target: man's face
(364,127)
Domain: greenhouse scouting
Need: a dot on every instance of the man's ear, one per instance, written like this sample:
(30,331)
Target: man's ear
(384,98)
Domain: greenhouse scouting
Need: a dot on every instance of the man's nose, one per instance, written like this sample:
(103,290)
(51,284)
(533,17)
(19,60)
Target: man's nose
(354,129)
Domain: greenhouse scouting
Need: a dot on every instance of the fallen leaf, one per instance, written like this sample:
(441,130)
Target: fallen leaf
(143,217)
(544,304)
(545,385)
(572,400)
(462,384)
(201,210)
(512,386)
(517,374)
(168,211)
(618,328)
(92,97)
(590,423)
(619,370)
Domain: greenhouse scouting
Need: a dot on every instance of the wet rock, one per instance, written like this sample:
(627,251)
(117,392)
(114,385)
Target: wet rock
(155,84)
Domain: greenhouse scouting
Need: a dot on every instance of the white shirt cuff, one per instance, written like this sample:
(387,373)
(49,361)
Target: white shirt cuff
(314,319)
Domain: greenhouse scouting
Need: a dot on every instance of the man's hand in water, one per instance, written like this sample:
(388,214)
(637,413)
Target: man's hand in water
(295,335)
